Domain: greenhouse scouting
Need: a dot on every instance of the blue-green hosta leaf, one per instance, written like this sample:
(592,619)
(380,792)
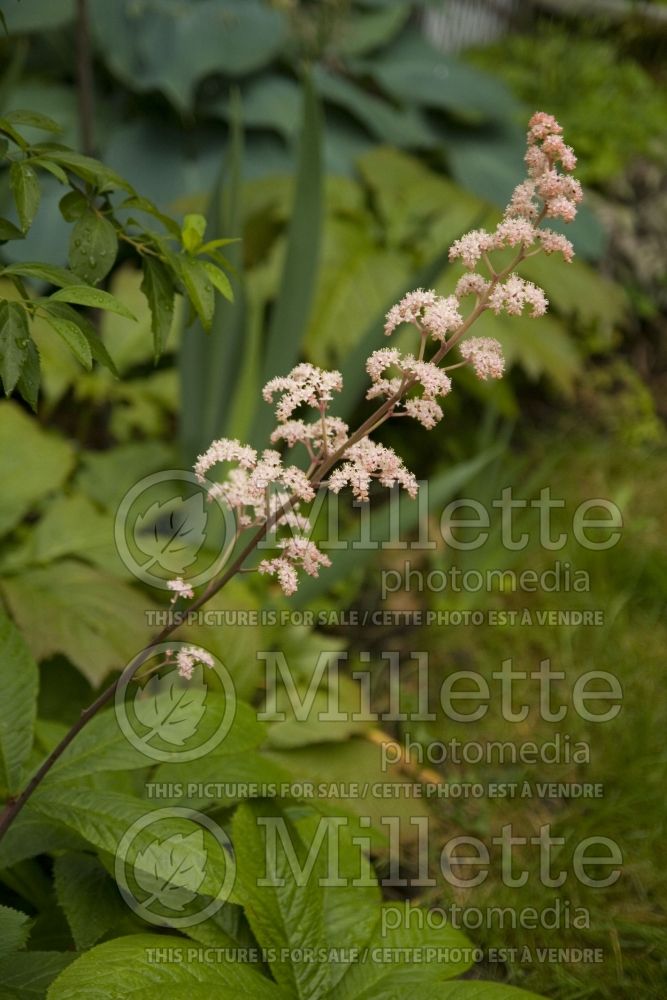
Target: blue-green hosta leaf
(126,967)
(14,930)
(18,704)
(171,533)
(234,37)
(157,865)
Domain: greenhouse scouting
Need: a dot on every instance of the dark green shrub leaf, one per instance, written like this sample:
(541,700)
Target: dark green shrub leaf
(93,247)
(158,287)
(18,704)
(14,339)
(26,192)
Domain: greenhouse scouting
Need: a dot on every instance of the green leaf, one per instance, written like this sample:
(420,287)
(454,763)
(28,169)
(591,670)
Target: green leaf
(88,897)
(82,295)
(18,704)
(404,973)
(51,168)
(73,337)
(93,247)
(219,280)
(198,286)
(208,380)
(36,462)
(42,272)
(297,287)
(27,975)
(103,178)
(34,119)
(299,912)
(14,339)
(162,859)
(123,968)
(169,709)
(28,383)
(97,347)
(11,131)
(109,626)
(146,205)
(234,37)
(158,287)
(103,819)
(8,231)
(363,32)
(14,930)
(26,192)
(73,205)
(475,990)
(192,232)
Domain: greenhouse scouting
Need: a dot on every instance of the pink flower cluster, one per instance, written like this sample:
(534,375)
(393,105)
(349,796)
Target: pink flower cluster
(187,657)
(434,382)
(262,490)
(367,460)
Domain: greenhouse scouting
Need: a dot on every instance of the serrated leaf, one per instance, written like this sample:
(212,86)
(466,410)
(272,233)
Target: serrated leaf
(198,286)
(93,247)
(172,532)
(14,930)
(43,272)
(158,287)
(14,339)
(25,191)
(27,975)
(72,335)
(157,865)
(18,704)
(170,709)
(220,280)
(34,119)
(82,295)
(110,621)
(28,383)
(88,897)
(124,967)
(50,462)
(96,344)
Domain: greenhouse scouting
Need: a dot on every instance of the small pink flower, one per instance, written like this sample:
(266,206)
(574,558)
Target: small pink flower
(471,247)
(188,657)
(442,317)
(180,589)
(409,309)
(486,356)
(512,295)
